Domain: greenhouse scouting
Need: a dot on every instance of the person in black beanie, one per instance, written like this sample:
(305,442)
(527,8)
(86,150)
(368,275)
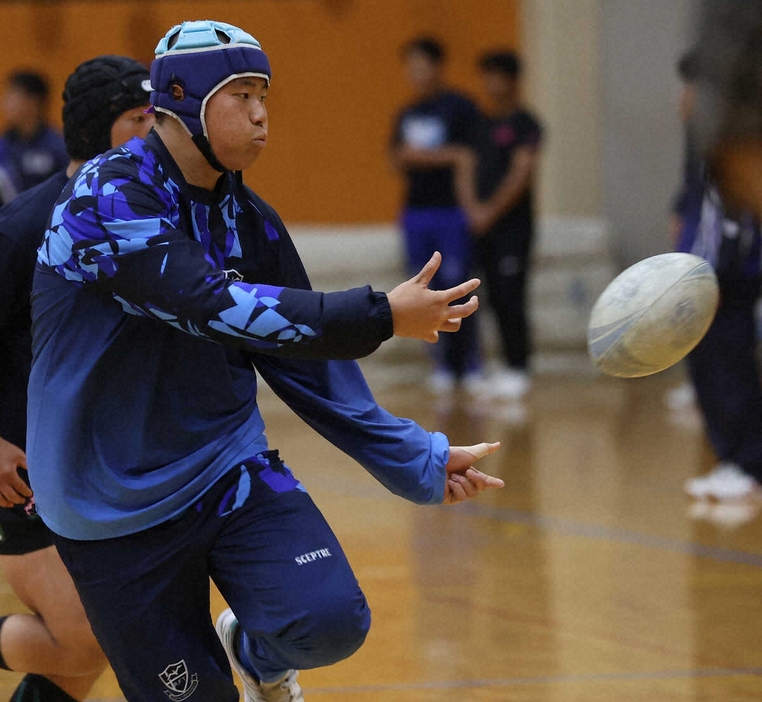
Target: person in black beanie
(105,102)
(104,94)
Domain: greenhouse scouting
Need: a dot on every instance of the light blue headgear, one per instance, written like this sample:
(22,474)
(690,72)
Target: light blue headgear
(201,57)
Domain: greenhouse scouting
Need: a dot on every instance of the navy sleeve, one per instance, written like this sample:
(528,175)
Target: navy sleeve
(115,236)
(333,398)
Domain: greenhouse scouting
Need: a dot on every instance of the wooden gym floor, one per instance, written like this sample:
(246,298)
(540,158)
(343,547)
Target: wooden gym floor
(590,577)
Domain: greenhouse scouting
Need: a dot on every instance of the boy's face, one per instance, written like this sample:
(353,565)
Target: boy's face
(132,123)
(499,86)
(422,72)
(236,122)
(737,172)
(21,108)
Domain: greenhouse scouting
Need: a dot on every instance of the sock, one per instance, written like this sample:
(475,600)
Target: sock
(36,688)
(3,664)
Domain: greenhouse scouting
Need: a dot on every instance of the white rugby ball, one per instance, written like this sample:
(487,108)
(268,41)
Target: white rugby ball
(652,315)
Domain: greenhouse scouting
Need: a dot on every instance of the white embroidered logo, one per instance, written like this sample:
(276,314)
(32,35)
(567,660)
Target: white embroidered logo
(313,556)
(232,274)
(180,684)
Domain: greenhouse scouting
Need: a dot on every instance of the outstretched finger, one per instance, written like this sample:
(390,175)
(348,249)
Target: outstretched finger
(482,481)
(485,448)
(463,310)
(451,325)
(452,294)
(429,270)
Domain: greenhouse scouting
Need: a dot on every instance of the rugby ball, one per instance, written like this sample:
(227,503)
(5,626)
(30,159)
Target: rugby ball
(652,315)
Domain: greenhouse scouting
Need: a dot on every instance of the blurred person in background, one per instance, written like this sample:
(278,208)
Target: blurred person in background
(726,127)
(498,199)
(7,190)
(104,103)
(428,141)
(723,367)
(727,119)
(30,150)
(686,209)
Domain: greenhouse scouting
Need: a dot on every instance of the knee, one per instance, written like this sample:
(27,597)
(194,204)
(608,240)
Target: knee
(332,633)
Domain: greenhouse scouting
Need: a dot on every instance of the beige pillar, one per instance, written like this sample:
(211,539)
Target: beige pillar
(560,41)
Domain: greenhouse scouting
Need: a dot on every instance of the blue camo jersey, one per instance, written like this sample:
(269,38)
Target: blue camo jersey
(153,302)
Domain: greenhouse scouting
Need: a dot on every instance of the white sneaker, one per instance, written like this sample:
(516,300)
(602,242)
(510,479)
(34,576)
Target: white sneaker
(441,383)
(284,690)
(475,384)
(510,384)
(726,481)
(726,515)
(680,397)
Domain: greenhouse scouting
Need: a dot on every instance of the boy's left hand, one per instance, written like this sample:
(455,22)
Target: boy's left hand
(463,480)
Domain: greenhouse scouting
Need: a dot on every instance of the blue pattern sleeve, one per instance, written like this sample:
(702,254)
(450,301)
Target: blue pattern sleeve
(333,398)
(116,232)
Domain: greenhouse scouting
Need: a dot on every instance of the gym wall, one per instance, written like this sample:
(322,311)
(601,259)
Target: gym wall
(337,78)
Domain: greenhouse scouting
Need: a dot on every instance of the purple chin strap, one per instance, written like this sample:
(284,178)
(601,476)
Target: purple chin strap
(200,74)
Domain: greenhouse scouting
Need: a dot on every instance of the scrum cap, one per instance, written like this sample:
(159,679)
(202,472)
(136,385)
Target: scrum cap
(193,61)
(95,95)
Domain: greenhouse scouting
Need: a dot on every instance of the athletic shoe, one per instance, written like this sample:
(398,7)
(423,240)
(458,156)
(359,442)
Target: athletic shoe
(727,515)
(475,384)
(510,384)
(681,397)
(726,481)
(284,690)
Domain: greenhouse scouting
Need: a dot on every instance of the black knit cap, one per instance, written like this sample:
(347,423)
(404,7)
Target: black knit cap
(95,95)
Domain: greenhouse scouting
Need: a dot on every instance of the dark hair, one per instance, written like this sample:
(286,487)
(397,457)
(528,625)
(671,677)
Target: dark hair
(688,66)
(501,61)
(429,46)
(30,82)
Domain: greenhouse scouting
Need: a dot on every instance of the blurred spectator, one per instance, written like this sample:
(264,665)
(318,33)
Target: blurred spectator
(498,196)
(7,190)
(429,138)
(687,206)
(723,367)
(30,151)
(727,120)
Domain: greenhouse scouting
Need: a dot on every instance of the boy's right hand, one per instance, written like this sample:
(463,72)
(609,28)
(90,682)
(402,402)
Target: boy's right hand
(421,313)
